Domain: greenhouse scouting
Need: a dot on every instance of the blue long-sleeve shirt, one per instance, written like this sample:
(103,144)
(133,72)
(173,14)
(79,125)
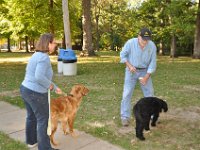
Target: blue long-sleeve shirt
(137,57)
(39,73)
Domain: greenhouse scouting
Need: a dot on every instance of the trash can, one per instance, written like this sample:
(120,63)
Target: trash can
(69,60)
(60,63)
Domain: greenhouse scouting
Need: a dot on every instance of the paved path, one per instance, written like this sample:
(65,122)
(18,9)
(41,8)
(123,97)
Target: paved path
(12,122)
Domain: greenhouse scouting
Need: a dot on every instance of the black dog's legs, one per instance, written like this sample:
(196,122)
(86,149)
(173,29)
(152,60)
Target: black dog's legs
(146,123)
(139,130)
(155,118)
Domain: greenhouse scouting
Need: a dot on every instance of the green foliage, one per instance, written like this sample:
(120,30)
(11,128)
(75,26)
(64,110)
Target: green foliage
(116,22)
(6,143)
(167,18)
(31,18)
(113,21)
(5,23)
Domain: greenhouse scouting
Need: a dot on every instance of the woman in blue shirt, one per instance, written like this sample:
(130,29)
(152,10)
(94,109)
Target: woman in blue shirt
(139,55)
(34,92)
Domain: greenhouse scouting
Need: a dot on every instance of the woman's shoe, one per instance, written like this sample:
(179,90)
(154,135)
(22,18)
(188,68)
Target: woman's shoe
(32,145)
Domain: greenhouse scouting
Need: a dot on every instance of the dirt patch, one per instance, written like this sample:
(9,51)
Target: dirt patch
(126,130)
(13,93)
(192,88)
(191,113)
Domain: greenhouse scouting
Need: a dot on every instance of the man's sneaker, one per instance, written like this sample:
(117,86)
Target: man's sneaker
(125,122)
(32,145)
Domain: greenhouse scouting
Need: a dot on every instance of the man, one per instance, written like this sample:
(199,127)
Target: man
(139,55)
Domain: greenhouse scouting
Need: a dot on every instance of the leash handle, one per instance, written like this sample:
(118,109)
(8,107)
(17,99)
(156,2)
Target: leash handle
(49,121)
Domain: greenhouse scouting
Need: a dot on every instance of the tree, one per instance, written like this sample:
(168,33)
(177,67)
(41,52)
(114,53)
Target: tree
(66,24)
(97,12)
(5,24)
(172,23)
(87,27)
(196,53)
(113,23)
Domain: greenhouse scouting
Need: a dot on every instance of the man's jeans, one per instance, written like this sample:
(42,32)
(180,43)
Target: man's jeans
(37,118)
(129,84)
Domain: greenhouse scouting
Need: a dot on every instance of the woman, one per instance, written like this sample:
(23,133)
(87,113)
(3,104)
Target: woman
(34,92)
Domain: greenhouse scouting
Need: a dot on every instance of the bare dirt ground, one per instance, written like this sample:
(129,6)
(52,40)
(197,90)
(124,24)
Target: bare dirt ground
(13,93)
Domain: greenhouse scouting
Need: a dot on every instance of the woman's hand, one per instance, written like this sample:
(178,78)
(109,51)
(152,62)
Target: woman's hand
(58,91)
(51,87)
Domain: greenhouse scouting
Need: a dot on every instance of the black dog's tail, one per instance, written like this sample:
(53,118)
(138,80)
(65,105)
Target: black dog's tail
(137,113)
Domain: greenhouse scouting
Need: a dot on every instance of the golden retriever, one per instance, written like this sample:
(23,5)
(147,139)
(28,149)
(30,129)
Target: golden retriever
(64,109)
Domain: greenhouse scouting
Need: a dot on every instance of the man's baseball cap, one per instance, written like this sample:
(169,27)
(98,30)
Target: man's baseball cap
(145,33)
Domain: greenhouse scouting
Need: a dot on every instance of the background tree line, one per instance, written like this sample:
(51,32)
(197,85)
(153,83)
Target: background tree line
(175,23)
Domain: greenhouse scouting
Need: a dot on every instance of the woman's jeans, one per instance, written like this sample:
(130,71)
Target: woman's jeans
(37,118)
(129,84)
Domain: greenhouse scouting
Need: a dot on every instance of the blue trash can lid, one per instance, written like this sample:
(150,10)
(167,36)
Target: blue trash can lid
(69,54)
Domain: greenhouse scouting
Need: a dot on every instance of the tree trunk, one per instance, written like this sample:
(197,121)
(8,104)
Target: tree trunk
(32,44)
(26,43)
(173,47)
(51,25)
(63,42)
(161,52)
(87,25)
(66,24)
(97,13)
(97,33)
(196,53)
(8,47)
(112,46)
(0,45)
(20,44)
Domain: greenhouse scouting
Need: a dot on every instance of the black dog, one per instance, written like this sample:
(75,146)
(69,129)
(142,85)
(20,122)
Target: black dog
(143,110)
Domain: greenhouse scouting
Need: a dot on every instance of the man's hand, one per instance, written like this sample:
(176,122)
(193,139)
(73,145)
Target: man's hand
(130,67)
(143,80)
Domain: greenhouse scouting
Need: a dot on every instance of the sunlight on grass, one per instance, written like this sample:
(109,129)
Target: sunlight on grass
(97,124)
(164,59)
(101,57)
(24,59)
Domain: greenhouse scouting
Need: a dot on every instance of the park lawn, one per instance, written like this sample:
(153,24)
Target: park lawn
(6,143)
(176,80)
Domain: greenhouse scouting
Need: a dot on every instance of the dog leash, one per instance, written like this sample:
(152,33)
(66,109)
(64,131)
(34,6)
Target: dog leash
(49,120)
(65,94)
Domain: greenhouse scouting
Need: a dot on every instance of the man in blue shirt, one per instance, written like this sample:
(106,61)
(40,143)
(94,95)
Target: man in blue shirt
(139,55)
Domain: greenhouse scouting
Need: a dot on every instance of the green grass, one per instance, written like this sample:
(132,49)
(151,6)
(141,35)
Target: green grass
(6,143)
(176,80)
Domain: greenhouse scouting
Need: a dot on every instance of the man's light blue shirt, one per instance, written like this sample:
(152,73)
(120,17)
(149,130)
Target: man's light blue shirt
(39,73)
(137,57)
